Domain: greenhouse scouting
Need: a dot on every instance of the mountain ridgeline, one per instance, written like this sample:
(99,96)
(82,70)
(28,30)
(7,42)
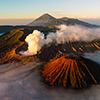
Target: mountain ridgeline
(48,20)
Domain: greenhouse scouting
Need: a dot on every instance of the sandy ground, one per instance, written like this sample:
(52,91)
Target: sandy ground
(19,81)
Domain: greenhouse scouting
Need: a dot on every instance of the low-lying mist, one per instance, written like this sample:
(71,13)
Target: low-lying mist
(95,56)
(36,40)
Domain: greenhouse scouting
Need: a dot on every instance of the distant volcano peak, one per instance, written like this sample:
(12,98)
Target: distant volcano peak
(48,20)
(46,16)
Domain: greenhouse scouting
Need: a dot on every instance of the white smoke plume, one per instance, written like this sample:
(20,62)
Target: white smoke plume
(66,33)
(35,42)
(74,33)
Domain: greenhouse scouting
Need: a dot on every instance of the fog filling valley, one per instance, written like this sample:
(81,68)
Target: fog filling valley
(23,81)
(36,40)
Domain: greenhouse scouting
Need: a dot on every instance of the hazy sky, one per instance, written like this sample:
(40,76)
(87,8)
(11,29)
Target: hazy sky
(31,9)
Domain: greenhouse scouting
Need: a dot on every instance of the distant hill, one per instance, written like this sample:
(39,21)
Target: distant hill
(7,28)
(48,20)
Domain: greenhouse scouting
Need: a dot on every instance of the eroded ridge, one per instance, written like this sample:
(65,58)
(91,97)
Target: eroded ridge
(71,71)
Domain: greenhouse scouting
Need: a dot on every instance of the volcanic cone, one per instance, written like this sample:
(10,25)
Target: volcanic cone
(71,71)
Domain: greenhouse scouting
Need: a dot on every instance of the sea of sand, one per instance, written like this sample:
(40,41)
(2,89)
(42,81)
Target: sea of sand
(23,81)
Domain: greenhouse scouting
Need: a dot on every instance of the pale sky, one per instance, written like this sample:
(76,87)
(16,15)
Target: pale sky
(31,9)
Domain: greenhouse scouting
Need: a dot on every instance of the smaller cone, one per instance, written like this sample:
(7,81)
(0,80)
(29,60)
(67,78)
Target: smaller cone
(71,71)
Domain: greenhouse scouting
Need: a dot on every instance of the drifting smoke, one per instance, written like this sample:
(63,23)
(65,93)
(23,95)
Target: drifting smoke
(35,42)
(66,33)
(74,33)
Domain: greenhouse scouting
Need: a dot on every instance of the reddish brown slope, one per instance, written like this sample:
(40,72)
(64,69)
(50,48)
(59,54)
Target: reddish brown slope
(71,71)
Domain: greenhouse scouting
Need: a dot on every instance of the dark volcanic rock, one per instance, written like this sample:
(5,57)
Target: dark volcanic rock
(79,47)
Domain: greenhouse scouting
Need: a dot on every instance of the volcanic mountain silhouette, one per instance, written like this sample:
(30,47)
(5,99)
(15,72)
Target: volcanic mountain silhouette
(71,71)
(48,20)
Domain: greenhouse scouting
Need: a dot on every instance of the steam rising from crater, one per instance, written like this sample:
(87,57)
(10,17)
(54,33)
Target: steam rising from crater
(66,33)
(35,42)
